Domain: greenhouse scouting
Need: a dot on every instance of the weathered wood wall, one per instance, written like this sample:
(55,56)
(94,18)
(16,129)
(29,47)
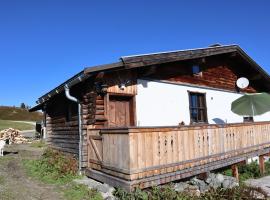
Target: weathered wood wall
(62,133)
(216,73)
(112,80)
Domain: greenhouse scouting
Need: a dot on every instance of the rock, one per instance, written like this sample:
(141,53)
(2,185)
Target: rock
(105,190)
(181,186)
(110,198)
(210,178)
(201,184)
(220,178)
(229,182)
(215,180)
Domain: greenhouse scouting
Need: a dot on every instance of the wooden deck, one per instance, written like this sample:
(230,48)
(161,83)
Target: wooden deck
(147,156)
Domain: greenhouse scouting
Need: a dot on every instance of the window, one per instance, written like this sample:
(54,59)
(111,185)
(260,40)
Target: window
(71,111)
(196,71)
(248,119)
(197,107)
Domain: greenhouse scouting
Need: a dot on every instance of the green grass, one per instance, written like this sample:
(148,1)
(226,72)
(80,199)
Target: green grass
(46,174)
(18,114)
(6,194)
(81,192)
(2,180)
(5,159)
(249,171)
(38,144)
(4,124)
(59,169)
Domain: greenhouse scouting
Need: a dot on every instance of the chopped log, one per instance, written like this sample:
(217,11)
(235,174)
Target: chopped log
(13,135)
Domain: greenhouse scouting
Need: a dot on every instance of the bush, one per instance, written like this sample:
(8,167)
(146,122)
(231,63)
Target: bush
(53,167)
(248,171)
(168,193)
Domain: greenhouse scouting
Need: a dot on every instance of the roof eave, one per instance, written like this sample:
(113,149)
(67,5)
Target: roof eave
(36,108)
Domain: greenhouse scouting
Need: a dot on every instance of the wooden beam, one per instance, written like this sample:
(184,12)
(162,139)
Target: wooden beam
(203,176)
(261,164)
(235,171)
(95,149)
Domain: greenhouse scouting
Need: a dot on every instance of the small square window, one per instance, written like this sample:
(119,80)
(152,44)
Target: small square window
(196,70)
(248,119)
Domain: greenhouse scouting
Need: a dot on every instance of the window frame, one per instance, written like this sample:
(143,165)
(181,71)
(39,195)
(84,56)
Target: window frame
(248,119)
(196,74)
(205,114)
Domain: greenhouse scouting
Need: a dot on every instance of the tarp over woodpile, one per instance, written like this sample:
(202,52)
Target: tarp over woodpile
(13,135)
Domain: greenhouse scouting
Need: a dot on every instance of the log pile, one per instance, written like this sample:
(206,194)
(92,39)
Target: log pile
(13,135)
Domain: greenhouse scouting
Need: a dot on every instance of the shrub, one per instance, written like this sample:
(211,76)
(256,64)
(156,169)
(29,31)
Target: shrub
(251,170)
(53,167)
(63,164)
(168,193)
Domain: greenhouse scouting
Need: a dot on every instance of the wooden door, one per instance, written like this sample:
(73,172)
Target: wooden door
(120,111)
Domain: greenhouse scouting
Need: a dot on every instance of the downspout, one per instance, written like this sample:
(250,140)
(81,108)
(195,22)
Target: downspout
(80,124)
(44,128)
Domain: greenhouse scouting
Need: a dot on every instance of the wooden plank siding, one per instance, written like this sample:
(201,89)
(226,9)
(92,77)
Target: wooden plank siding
(213,73)
(135,154)
(62,133)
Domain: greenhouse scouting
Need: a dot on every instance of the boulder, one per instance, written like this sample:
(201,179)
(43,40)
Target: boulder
(229,182)
(215,180)
(210,178)
(105,190)
(181,186)
(201,184)
(220,178)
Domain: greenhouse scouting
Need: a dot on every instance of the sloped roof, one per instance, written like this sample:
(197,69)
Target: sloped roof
(137,61)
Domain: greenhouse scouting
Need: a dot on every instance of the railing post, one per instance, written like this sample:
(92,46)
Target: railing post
(235,171)
(261,164)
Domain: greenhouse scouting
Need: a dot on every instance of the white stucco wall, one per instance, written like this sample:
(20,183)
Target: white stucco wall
(166,104)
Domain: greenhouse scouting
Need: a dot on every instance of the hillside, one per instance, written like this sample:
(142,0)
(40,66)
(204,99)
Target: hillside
(18,114)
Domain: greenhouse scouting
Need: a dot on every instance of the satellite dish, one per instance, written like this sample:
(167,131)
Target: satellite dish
(242,83)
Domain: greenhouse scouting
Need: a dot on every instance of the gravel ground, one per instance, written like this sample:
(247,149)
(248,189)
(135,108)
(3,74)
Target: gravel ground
(15,184)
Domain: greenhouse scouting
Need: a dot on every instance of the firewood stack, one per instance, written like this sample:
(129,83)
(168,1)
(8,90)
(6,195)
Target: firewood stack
(13,135)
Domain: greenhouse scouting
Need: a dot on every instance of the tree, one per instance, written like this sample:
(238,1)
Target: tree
(23,106)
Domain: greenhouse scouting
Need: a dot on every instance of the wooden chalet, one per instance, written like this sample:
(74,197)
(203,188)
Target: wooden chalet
(151,119)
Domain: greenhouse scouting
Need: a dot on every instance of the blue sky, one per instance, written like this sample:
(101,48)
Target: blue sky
(44,42)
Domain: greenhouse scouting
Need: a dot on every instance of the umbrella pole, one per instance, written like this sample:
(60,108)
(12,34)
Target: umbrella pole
(252,107)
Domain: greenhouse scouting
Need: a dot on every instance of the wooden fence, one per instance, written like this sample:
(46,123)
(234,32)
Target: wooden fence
(137,154)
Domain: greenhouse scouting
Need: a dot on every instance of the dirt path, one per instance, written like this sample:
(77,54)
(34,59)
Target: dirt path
(15,184)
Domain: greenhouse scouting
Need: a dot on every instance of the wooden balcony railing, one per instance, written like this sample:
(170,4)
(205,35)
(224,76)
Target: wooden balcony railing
(137,154)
